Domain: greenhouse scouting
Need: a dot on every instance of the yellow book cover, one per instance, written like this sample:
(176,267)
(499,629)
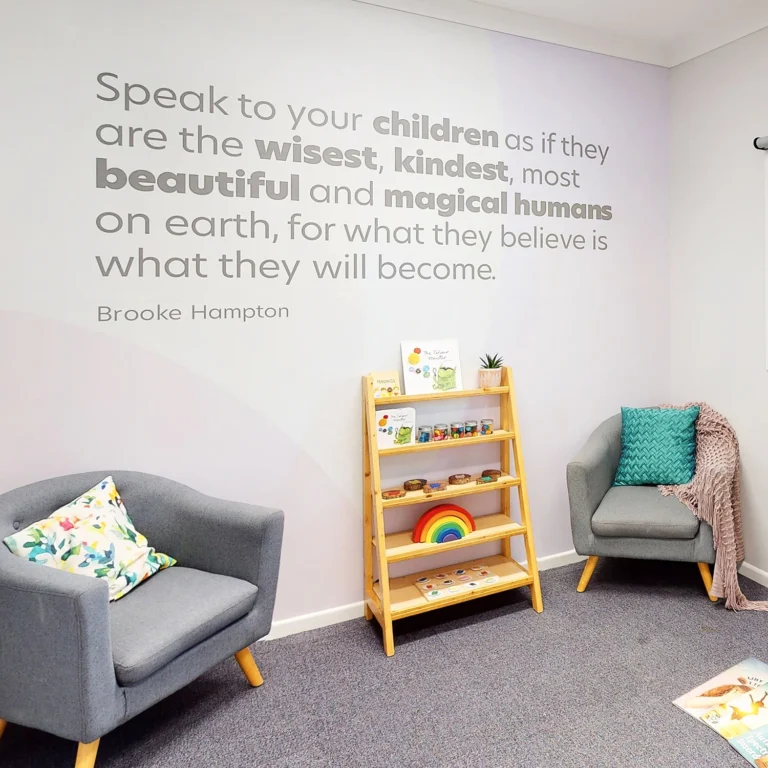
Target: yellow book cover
(740,715)
(386,384)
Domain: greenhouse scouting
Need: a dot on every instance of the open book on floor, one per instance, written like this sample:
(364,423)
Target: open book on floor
(735,705)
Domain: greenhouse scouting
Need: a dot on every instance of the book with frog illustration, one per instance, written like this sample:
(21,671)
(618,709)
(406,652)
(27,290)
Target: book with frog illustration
(431,366)
(395,426)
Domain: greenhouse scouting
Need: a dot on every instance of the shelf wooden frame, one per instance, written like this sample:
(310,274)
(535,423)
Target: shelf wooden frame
(400,546)
(389,599)
(407,600)
(451,492)
(433,396)
(498,436)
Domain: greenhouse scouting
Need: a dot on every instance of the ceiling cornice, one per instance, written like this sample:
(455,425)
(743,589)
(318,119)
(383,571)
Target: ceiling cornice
(484,16)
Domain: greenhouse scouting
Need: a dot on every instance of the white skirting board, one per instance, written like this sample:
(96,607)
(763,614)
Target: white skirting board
(761,577)
(308,621)
(330,616)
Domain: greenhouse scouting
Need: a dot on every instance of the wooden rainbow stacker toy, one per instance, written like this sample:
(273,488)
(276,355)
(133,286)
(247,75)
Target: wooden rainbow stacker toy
(390,599)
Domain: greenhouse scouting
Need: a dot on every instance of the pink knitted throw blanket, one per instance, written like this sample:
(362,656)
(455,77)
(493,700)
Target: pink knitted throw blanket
(713,496)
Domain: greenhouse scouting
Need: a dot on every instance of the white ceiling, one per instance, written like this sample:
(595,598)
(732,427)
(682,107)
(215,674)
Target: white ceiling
(664,32)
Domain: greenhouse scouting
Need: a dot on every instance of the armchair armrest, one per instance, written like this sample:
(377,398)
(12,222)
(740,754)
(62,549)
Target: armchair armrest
(57,669)
(589,476)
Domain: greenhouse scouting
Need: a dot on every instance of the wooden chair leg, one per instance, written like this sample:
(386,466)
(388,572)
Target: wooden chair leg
(586,575)
(86,754)
(3,723)
(248,665)
(706,577)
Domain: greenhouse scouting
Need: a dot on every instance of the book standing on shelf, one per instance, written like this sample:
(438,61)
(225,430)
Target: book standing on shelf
(431,366)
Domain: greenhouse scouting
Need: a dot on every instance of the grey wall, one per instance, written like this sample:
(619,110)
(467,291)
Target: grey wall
(718,252)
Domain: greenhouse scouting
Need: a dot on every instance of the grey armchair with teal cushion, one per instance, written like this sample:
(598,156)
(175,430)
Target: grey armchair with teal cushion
(629,521)
(76,665)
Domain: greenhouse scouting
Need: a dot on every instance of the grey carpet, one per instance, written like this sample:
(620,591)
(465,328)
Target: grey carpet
(587,683)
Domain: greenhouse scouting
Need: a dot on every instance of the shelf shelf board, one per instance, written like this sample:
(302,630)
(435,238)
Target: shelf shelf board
(406,599)
(451,492)
(431,397)
(400,546)
(498,436)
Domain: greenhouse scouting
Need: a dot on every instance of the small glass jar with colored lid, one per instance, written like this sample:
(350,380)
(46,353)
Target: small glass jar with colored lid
(457,430)
(470,429)
(440,432)
(486,426)
(425,433)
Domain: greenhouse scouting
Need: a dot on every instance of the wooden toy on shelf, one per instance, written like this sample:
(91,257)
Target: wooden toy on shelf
(431,488)
(388,599)
(445,522)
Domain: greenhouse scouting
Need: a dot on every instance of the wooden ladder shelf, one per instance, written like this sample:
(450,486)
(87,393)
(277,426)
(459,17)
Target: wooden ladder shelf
(389,599)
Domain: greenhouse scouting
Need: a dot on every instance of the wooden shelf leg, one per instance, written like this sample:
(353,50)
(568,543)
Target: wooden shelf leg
(509,420)
(86,754)
(389,638)
(248,665)
(706,577)
(586,574)
(367,510)
(373,515)
(536,598)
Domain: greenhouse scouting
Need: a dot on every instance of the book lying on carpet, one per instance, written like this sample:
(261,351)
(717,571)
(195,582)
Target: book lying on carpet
(735,705)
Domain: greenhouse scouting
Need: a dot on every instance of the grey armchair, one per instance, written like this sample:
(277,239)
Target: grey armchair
(629,521)
(76,665)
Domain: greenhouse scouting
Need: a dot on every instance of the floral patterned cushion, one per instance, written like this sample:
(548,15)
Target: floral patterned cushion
(92,535)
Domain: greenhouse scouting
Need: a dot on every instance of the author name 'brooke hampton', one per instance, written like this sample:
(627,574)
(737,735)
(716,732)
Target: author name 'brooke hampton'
(159,313)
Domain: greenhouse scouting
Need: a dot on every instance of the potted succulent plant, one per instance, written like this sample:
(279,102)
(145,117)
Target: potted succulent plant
(490,371)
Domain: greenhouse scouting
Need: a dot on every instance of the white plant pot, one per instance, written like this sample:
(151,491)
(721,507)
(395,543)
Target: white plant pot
(489,377)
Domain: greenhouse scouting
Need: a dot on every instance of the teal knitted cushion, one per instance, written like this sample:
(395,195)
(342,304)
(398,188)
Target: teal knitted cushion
(658,446)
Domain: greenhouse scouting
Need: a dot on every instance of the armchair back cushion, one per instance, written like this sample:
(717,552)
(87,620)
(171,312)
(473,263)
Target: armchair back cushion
(156,505)
(93,536)
(144,496)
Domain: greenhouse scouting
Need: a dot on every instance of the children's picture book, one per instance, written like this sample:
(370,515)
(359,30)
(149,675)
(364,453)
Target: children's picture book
(753,746)
(739,679)
(431,366)
(735,705)
(441,584)
(740,715)
(395,426)
(386,384)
